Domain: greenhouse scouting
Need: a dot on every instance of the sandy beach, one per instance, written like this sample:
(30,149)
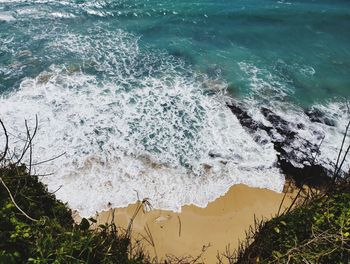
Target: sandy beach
(222,223)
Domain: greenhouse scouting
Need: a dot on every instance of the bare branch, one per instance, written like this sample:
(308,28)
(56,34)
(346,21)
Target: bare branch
(48,160)
(29,138)
(341,149)
(14,202)
(6,140)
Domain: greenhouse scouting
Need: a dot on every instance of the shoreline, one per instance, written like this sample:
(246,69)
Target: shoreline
(223,222)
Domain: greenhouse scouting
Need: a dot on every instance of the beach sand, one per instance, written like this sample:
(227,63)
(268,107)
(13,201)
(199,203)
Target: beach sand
(223,222)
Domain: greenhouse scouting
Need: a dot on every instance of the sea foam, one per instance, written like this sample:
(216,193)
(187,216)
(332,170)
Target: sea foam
(272,92)
(147,129)
(134,122)
(6,16)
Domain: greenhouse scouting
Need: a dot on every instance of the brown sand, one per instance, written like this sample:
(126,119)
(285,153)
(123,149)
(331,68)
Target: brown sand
(221,223)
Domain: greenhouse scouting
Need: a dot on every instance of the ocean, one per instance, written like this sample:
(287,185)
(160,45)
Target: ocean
(135,94)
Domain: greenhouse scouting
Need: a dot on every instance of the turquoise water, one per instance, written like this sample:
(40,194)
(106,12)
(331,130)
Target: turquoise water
(135,93)
(285,39)
(302,45)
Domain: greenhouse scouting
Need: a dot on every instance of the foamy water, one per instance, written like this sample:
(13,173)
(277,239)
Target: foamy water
(133,121)
(165,139)
(271,93)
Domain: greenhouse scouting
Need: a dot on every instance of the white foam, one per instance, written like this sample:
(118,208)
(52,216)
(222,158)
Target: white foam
(135,123)
(6,16)
(62,15)
(264,83)
(146,128)
(37,12)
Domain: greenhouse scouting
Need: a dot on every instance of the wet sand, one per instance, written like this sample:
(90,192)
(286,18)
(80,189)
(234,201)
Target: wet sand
(223,222)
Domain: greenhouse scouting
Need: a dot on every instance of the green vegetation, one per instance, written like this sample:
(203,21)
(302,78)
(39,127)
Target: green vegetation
(51,236)
(37,228)
(316,231)
(315,228)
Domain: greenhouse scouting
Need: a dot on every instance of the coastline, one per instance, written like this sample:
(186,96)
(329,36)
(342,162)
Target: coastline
(223,222)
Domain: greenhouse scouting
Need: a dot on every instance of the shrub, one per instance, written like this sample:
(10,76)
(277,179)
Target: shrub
(52,236)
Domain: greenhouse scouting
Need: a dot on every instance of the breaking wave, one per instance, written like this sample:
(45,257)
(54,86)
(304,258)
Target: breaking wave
(149,128)
(135,122)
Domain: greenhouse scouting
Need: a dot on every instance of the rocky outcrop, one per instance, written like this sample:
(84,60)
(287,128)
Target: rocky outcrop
(296,156)
(318,116)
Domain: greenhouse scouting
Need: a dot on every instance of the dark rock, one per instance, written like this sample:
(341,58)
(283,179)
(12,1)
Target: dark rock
(245,120)
(295,154)
(318,116)
(314,176)
(281,125)
(300,126)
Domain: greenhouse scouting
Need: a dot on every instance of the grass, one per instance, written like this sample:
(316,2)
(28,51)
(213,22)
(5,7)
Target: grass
(317,230)
(37,228)
(50,234)
(314,229)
